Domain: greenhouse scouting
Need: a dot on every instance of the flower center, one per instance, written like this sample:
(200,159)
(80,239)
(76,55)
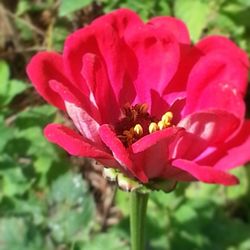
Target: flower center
(136,122)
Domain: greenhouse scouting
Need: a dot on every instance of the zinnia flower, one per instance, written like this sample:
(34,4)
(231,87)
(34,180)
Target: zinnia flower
(147,102)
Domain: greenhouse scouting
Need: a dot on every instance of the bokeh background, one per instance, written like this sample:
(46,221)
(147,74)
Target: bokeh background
(51,201)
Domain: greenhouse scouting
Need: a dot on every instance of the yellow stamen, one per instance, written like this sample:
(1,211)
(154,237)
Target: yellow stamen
(161,125)
(152,127)
(167,117)
(138,130)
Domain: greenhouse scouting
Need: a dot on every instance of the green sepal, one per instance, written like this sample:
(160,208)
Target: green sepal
(130,185)
(166,186)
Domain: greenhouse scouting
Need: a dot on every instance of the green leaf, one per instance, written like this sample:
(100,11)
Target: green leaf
(4,78)
(22,7)
(70,199)
(14,88)
(6,133)
(35,117)
(9,88)
(4,74)
(58,36)
(68,6)
(122,201)
(13,180)
(110,240)
(12,233)
(18,234)
(194,14)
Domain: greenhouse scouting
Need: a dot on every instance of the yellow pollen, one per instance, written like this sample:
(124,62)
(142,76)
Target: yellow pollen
(152,127)
(167,117)
(138,130)
(161,125)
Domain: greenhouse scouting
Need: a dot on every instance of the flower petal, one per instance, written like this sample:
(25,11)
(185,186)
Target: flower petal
(101,92)
(205,173)
(85,124)
(219,43)
(158,58)
(152,152)
(233,153)
(215,126)
(122,20)
(103,41)
(217,82)
(120,153)
(172,25)
(73,143)
(152,139)
(42,68)
(189,56)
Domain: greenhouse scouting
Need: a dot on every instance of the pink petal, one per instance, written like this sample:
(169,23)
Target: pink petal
(158,58)
(217,82)
(172,25)
(120,153)
(188,146)
(102,93)
(44,67)
(232,154)
(219,43)
(152,139)
(173,173)
(64,92)
(103,41)
(158,104)
(151,153)
(74,143)
(122,20)
(189,56)
(76,45)
(85,123)
(214,127)
(205,173)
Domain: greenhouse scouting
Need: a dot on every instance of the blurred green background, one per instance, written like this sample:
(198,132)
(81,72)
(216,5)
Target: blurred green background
(51,201)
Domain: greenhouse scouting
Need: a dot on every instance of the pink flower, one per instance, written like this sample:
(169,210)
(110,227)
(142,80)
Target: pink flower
(146,101)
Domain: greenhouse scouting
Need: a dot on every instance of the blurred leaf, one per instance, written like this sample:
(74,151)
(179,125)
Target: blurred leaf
(13,180)
(194,14)
(24,31)
(238,191)
(59,35)
(4,75)
(244,2)
(35,207)
(9,88)
(22,7)
(110,240)
(14,88)
(122,200)
(68,6)
(69,188)
(4,78)
(35,117)
(70,199)
(15,235)
(5,132)
(43,163)
(145,9)
(12,233)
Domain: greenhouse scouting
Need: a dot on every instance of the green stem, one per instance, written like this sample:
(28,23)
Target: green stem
(138,208)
